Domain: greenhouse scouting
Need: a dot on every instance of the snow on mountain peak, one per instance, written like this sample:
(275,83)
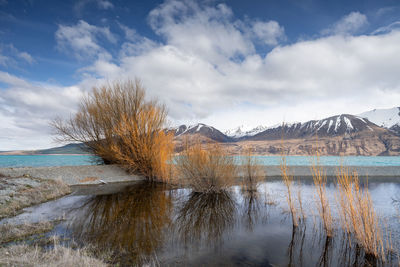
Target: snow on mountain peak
(383,117)
(242,130)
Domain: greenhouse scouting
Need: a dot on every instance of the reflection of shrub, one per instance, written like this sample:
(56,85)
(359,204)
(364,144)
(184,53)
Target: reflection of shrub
(133,223)
(206,169)
(119,125)
(206,216)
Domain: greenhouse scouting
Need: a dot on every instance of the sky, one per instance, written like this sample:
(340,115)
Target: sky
(223,63)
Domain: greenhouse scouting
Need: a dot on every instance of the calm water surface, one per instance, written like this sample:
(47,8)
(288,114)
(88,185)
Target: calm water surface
(150,223)
(46,160)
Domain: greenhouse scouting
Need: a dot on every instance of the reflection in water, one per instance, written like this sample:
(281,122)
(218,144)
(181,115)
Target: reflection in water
(147,221)
(131,223)
(205,217)
(252,208)
(296,245)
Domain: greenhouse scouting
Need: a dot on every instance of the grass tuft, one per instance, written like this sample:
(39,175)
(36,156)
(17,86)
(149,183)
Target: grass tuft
(206,168)
(358,216)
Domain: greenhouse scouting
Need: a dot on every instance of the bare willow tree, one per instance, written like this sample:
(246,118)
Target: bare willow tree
(117,123)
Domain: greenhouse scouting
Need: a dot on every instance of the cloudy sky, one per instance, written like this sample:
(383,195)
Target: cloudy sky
(224,63)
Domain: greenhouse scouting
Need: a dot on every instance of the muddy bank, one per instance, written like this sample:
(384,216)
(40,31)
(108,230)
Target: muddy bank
(74,175)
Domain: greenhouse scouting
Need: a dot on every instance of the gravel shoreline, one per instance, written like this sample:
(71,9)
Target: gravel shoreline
(100,174)
(74,175)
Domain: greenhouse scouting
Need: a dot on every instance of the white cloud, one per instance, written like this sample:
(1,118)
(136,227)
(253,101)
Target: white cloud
(11,56)
(83,39)
(349,24)
(104,4)
(269,32)
(27,57)
(197,73)
(26,109)
(80,5)
(388,28)
(209,32)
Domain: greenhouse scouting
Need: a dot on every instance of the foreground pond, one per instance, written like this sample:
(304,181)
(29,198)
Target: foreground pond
(149,223)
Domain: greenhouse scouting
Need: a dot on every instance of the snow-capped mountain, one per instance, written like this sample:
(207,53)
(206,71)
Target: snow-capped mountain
(242,131)
(388,118)
(339,125)
(383,117)
(201,129)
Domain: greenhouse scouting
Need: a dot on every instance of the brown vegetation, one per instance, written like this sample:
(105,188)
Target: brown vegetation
(12,232)
(118,124)
(25,255)
(288,181)
(252,171)
(357,214)
(324,209)
(206,167)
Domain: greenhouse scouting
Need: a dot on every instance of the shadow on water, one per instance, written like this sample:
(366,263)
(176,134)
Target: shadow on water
(132,224)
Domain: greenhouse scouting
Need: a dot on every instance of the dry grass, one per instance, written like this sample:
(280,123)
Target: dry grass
(288,181)
(27,196)
(357,214)
(206,168)
(24,255)
(12,232)
(324,209)
(118,124)
(253,172)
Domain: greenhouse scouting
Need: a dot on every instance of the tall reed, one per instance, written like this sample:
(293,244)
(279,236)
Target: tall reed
(324,209)
(358,215)
(288,181)
(252,171)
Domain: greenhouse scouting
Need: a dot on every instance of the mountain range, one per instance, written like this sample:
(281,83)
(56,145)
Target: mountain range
(372,133)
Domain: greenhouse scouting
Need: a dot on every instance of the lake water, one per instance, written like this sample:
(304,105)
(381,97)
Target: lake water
(73,160)
(46,160)
(152,224)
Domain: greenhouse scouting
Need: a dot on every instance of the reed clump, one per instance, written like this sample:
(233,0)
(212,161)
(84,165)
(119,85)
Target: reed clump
(252,172)
(324,209)
(206,167)
(358,216)
(288,181)
(117,123)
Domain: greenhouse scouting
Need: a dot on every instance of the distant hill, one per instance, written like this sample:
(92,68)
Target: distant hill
(67,149)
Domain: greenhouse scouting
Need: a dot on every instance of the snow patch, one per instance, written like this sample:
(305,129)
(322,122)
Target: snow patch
(338,121)
(383,117)
(348,123)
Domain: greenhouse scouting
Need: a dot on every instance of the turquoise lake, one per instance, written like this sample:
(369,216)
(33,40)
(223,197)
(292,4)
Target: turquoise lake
(74,160)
